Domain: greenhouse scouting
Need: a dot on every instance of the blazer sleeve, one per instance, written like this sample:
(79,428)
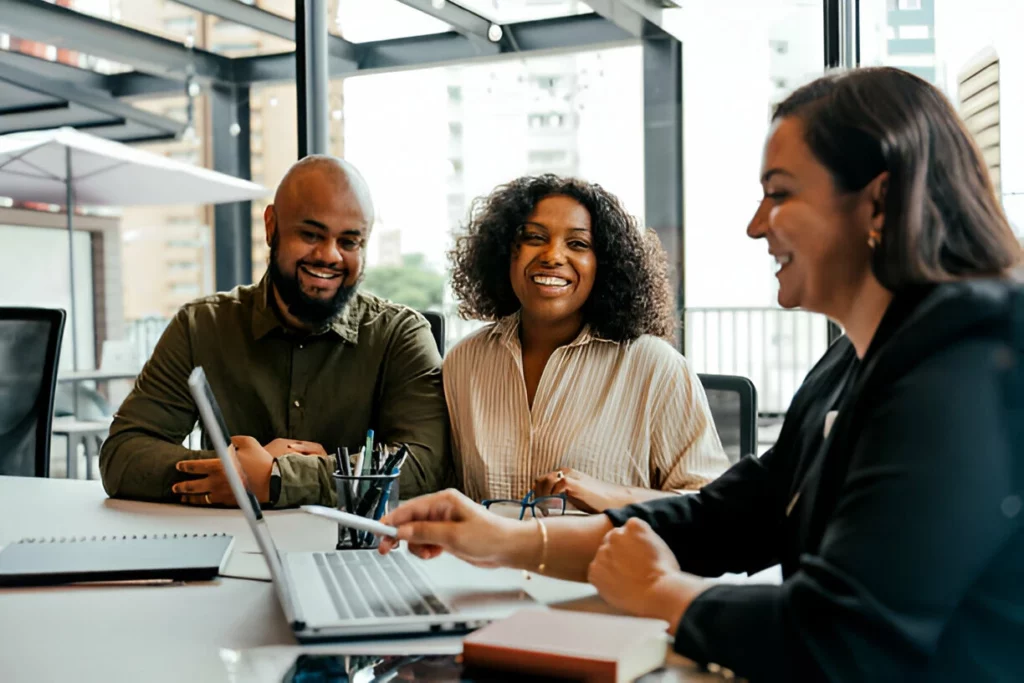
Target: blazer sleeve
(732,525)
(919,518)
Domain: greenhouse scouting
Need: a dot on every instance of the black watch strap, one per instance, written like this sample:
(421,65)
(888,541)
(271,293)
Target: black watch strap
(275,484)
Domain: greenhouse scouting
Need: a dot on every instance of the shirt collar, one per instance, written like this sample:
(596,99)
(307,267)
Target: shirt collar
(265,319)
(507,330)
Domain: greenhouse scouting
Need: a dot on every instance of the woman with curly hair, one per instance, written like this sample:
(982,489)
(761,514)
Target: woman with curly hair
(572,388)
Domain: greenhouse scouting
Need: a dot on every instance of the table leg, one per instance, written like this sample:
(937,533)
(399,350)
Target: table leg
(72,457)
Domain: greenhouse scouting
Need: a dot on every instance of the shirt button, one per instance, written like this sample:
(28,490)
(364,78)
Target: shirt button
(296,404)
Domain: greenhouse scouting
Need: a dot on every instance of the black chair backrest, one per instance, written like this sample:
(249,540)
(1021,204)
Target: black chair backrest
(30,340)
(436,321)
(733,402)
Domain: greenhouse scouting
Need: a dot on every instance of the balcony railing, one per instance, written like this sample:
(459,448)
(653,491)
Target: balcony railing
(773,347)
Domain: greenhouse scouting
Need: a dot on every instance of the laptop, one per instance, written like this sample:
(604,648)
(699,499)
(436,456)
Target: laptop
(339,594)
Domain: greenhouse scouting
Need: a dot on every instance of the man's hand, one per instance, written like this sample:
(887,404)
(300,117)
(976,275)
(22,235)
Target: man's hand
(635,571)
(279,447)
(586,493)
(252,461)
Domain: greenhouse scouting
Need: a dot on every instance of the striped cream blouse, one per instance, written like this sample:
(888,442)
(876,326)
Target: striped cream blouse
(632,414)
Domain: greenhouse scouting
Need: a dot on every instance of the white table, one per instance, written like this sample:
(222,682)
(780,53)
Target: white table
(176,632)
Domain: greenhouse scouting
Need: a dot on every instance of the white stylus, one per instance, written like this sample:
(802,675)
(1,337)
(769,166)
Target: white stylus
(354,521)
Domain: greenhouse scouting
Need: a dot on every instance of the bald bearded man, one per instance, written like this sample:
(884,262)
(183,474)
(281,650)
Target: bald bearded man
(301,363)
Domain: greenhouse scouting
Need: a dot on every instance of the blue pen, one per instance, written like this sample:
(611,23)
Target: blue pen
(382,505)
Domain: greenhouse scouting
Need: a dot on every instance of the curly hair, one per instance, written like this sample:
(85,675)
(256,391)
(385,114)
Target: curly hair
(631,295)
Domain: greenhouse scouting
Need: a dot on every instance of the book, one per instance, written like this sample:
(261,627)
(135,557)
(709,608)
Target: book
(596,648)
(140,557)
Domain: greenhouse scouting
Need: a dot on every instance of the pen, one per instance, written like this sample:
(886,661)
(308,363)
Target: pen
(369,450)
(396,458)
(369,501)
(382,506)
(346,469)
(346,462)
(357,471)
(337,461)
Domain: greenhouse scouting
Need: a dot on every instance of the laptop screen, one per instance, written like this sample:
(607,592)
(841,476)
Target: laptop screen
(220,436)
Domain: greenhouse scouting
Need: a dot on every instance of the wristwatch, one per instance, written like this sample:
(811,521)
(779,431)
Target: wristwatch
(275,483)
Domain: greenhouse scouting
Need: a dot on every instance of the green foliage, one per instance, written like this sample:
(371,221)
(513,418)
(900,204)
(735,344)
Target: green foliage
(414,283)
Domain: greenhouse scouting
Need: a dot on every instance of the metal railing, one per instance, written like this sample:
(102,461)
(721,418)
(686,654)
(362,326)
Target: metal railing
(773,347)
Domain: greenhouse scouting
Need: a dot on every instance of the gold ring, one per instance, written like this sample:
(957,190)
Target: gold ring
(206,498)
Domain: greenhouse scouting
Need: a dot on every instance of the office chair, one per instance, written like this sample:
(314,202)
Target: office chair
(436,321)
(733,403)
(30,340)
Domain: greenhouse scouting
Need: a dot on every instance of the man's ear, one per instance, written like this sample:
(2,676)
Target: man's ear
(270,223)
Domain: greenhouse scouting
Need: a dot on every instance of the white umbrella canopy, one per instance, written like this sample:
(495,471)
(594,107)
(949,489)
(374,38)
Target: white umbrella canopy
(65,166)
(34,168)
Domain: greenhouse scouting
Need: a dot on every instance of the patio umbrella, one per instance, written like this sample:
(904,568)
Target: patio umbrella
(65,166)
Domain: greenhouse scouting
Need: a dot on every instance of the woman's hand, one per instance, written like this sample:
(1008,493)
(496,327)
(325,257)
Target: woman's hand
(635,571)
(585,493)
(451,522)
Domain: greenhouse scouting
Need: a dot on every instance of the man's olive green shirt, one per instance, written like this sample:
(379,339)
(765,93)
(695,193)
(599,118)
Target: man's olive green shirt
(375,367)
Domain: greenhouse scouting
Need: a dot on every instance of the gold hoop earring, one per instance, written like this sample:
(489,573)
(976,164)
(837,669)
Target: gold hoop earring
(874,237)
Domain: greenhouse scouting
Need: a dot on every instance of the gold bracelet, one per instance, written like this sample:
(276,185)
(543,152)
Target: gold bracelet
(544,546)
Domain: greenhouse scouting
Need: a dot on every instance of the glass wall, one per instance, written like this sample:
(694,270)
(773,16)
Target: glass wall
(739,60)
(972,50)
(431,141)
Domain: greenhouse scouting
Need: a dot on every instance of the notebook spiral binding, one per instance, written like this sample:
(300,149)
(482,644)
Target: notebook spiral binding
(126,537)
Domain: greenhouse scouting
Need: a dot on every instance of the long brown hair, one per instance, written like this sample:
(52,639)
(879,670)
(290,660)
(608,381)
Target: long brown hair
(943,221)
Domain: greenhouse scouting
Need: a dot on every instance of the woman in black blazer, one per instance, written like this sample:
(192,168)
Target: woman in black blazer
(899,531)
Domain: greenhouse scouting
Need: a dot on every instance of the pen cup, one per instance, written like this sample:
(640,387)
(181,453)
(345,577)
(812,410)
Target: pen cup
(368,495)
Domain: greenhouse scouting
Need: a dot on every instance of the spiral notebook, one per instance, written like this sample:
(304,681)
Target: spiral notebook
(143,557)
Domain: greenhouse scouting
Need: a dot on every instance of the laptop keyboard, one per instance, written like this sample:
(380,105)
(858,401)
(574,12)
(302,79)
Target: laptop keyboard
(365,585)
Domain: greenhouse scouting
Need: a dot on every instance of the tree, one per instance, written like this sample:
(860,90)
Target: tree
(414,283)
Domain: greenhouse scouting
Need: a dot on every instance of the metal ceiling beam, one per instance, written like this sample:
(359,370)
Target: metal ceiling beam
(266,22)
(469,24)
(53,71)
(101,103)
(54,25)
(585,31)
(639,18)
(138,84)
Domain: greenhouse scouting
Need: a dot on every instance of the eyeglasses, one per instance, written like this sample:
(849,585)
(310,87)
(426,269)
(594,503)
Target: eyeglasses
(544,506)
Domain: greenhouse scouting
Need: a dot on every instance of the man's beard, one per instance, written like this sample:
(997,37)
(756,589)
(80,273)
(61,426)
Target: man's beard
(309,310)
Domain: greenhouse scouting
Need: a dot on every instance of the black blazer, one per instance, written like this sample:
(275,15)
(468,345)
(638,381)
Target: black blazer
(900,535)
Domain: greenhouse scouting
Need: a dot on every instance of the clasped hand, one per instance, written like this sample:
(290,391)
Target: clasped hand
(584,492)
(251,459)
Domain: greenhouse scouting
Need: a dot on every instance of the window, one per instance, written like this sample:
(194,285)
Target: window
(972,54)
(184,289)
(547,157)
(188,156)
(552,120)
(184,244)
(914,33)
(247,47)
(180,26)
